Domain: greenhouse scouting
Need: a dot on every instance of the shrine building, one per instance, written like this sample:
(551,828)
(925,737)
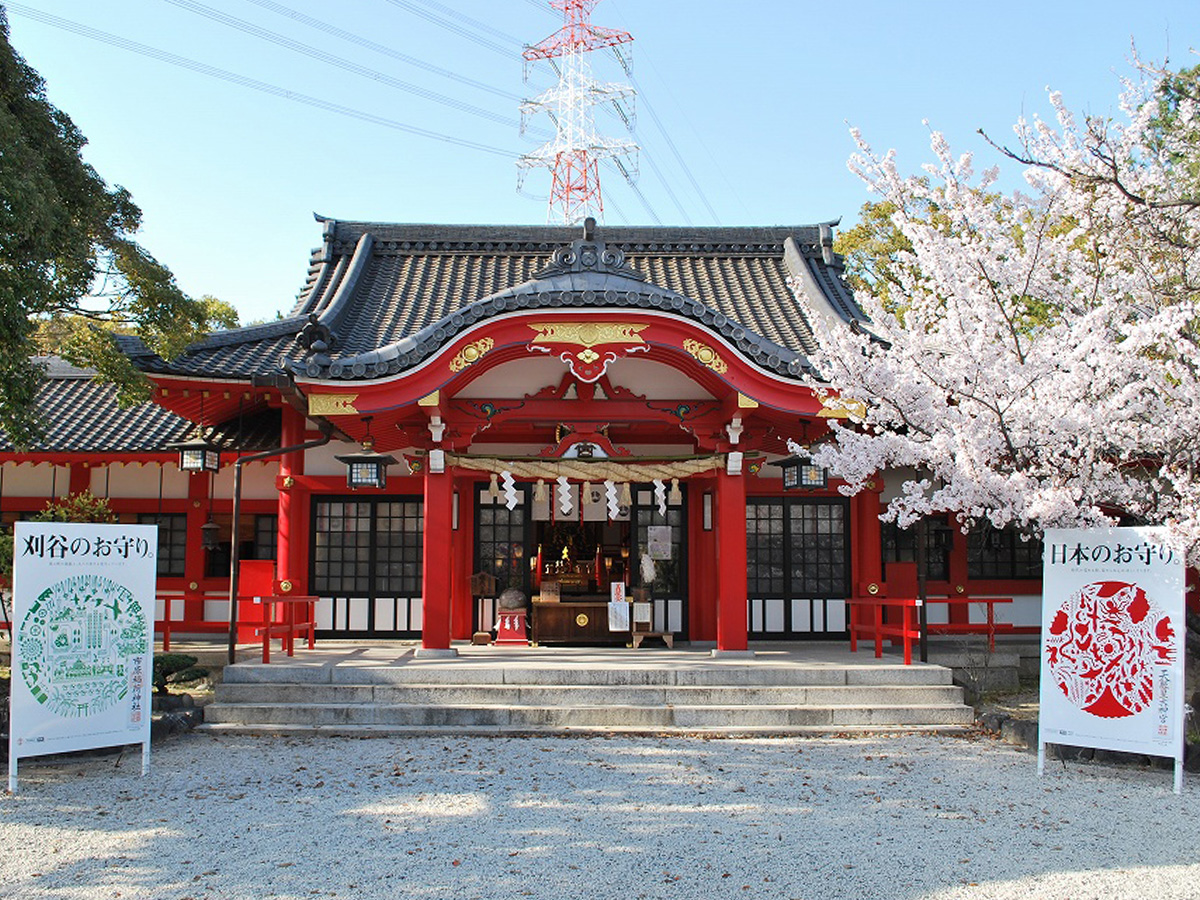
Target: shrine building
(561,409)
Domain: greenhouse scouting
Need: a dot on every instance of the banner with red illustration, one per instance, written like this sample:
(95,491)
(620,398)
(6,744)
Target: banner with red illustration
(1112,641)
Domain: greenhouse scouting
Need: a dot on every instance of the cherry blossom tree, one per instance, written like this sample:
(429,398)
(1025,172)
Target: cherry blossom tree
(1033,357)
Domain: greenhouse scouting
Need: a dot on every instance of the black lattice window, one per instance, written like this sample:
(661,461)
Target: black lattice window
(819,561)
(994,553)
(172,542)
(900,545)
(500,541)
(766,560)
(342,547)
(266,536)
(399,527)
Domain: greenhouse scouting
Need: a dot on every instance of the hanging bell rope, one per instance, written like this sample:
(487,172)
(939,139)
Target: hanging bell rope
(594,470)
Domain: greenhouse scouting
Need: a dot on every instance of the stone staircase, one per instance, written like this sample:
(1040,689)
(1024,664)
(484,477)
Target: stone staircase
(573,696)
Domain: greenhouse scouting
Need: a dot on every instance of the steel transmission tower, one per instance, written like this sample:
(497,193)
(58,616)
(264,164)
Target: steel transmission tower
(574,155)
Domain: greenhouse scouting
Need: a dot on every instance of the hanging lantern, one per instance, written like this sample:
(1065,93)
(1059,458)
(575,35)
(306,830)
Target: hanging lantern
(197,454)
(494,488)
(539,490)
(676,495)
(366,469)
(209,532)
(800,473)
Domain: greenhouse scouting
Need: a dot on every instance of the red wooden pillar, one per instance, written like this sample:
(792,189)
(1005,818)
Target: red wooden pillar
(866,551)
(289,552)
(731,563)
(81,478)
(463,538)
(195,559)
(436,564)
(702,560)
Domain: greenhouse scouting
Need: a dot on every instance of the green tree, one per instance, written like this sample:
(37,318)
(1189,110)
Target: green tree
(871,250)
(66,254)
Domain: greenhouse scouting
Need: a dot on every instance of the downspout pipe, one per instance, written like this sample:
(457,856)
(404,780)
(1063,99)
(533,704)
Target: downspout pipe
(234,550)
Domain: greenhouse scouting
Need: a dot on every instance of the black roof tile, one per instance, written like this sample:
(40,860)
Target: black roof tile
(83,416)
(417,285)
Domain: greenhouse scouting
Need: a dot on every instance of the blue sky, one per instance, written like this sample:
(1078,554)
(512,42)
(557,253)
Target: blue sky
(756,98)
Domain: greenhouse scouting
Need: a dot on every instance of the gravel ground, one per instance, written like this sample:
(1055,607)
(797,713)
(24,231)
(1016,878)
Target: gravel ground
(907,816)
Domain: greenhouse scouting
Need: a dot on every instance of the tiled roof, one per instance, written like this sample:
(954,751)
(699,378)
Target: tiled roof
(82,416)
(380,298)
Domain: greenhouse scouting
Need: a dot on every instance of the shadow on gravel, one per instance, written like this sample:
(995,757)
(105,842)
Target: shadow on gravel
(902,817)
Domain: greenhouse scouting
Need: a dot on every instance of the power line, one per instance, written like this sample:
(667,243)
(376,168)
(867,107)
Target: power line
(667,186)
(615,165)
(544,7)
(457,29)
(675,152)
(671,142)
(242,80)
(473,23)
(336,61)
(344,35)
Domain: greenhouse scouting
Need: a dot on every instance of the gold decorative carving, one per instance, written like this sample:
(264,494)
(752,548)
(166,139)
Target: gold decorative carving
(842,408)
(289,481)
(872,589)
(430,399)
(706,356)
(285,586)
(745,402)
(588,356)
(332,404)
(471,353)
(581,620)
(587,334)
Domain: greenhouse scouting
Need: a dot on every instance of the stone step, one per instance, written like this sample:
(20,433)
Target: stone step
(504,717)
(589,695)
(663,692)
(449,673)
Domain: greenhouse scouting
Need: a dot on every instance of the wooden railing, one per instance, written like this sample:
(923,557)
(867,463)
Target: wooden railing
(989,627)
(897,619)
(878,617)
(286,618)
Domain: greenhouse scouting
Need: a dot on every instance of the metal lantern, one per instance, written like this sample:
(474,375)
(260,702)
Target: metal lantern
(209,533)
(366,469)
(799,473)
(198,455)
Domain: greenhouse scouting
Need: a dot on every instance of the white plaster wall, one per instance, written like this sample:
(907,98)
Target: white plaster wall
(34,480)
(321,461)
(516,378)
(654,381)
(258,481)
(135,481)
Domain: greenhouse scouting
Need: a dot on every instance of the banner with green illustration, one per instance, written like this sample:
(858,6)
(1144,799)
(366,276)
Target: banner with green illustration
(82,638)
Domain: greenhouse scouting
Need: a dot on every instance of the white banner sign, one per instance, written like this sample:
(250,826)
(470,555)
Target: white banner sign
(1113,642)
(82,638)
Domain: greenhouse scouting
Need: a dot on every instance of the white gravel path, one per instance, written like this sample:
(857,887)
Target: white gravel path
(905,817)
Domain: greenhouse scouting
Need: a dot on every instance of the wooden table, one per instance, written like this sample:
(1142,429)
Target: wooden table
(574,622)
